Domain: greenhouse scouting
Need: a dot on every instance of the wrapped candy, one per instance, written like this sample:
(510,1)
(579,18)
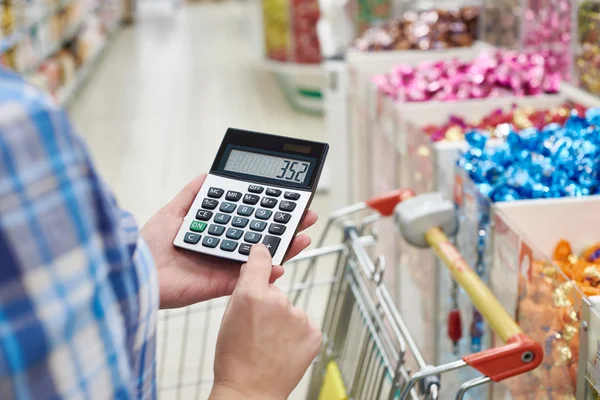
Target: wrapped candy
(554,161)
(423,30)
(488,75)
(587,60)
(519,117)
(552,318)
(531,25)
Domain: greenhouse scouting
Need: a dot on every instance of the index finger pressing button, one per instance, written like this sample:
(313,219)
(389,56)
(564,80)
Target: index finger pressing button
(271,243)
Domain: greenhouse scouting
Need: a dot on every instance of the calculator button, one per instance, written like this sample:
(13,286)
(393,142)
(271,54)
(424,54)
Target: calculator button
(246,211)
(228,245)
(240,222)
(261,213)
(287,206)
(198,226)
(291,195)
(276,229)
(245,248)
(227,207)
(273,192)
(268,202)
(210,241)
(252,237)
(282,217)
(251,199)
(255,189)
(258,226)
(203,215)
(271,243)
(209,204)
(191,238)
(215,193)
(216,230)
(222,218)
(233,196)
(234,233)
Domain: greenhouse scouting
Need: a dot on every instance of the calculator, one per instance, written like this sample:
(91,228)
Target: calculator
(257,191)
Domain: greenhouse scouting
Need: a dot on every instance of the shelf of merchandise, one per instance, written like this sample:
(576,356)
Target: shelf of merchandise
(67,93)
(302,84)
(14,38)
(69,35)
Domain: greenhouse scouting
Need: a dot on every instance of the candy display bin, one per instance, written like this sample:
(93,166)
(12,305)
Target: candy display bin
(363,101)
(549,307)
(531,25)
(431,164)
(587,47)
(514,254)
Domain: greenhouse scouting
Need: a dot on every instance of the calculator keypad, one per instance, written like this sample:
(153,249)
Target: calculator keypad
(234,220)
(255,189)
(258,226)
(191,238)
(268,202)
(209,204)
(273,192)
(215,193)
(210,242)
(282,218)
(276,229)
(287,205)
(246,211)
(228,245)
(233,196)
(240,222)
(204,215)
(227,207)
(216,230)
(251,199)
(222,218)
(234,233)
(261,213)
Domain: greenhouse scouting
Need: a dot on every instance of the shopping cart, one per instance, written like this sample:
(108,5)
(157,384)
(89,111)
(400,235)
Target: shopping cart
(366,342)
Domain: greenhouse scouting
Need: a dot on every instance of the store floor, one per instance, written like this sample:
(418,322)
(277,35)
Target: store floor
(154,113)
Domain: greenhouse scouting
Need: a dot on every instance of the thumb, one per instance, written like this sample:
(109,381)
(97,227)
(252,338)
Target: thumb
(256,273)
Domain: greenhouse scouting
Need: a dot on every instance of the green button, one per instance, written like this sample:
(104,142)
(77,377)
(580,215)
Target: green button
(198,226)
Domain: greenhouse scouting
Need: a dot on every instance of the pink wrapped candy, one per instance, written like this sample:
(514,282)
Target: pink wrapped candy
(488,75)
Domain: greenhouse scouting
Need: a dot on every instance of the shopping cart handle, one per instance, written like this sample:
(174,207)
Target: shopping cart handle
(520,354)
(386,203)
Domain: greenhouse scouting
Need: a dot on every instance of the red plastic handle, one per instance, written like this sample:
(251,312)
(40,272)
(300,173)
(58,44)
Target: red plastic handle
(386,203)
(520,354)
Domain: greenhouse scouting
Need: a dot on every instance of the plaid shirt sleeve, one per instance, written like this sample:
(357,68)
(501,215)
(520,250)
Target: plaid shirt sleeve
(78,286)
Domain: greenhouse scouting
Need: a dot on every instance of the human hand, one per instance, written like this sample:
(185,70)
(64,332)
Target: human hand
(265,344)
(186,277)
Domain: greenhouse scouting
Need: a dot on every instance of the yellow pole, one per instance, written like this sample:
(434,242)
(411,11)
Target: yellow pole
(482,297)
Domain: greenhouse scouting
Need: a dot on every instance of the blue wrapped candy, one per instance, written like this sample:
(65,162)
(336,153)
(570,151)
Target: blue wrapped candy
(555,161)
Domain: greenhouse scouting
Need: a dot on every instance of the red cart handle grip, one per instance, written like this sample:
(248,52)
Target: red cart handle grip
(520,354)
(386,203)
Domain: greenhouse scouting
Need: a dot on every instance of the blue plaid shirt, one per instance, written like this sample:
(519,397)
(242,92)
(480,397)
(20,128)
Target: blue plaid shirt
(78,286)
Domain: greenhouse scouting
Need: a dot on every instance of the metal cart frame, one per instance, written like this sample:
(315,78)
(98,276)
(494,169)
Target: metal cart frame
(366,341)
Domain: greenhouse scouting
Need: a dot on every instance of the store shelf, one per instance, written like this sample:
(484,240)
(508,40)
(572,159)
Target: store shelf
(71,33)
(67,92)
(12,40)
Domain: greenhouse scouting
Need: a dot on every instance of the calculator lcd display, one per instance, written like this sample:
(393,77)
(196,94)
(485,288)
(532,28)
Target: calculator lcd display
(268,166)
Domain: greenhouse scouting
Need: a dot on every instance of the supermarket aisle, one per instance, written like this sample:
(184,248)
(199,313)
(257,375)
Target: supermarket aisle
(154,114)
(155,111)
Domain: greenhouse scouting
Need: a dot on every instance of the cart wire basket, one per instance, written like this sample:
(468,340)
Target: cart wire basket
(368,351)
